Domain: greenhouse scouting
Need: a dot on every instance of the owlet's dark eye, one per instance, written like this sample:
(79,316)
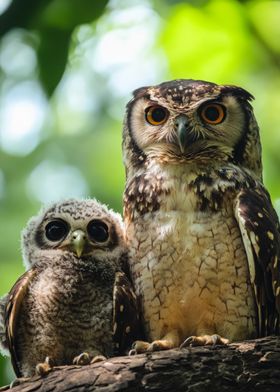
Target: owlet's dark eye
(156,115)
(56,230)
(98,230)
(213,113)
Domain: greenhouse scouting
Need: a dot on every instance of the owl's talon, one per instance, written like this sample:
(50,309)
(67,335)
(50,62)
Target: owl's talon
(98,358)
(157,345)
(82,359)
(187,342)
(139,346)
(205,340)
(216,339)
(44,368)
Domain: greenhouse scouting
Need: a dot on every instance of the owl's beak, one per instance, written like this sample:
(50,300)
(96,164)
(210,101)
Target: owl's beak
(181,125)
(78,240)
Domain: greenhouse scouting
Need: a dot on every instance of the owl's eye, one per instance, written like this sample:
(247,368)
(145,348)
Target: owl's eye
(213,113)
(98,230)
(56,230)
(156,115)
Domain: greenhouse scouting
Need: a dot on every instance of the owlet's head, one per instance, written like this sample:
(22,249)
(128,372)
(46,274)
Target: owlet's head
(82,227)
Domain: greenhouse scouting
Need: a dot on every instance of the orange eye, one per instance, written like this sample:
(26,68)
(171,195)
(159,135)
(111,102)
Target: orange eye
(213,113)
(156,115)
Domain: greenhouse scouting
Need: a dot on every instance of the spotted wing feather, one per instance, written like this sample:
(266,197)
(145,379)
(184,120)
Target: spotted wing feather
(259,226)
(126,316)
(3,340)
(12,311)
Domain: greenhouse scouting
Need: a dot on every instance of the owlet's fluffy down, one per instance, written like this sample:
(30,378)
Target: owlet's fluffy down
(74,303)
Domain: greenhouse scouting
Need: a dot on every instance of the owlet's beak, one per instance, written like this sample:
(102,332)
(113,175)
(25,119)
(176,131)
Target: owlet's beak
(181,126)
(78,241)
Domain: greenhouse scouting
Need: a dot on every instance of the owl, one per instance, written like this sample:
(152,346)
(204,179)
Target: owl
(203,236)
(74,304)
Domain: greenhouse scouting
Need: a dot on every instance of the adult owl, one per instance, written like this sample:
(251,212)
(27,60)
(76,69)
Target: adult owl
(203,235)
(74,304)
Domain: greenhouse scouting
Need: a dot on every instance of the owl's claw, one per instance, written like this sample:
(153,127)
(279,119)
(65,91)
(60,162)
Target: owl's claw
(205,340)
(86,359)
(158,345)
(82,359)
(98,358)
(43,368)
(140,346)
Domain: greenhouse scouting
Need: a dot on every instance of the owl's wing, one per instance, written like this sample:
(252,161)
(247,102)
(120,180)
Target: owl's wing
(125,314)
(259,226)
(12,310)
(3,340)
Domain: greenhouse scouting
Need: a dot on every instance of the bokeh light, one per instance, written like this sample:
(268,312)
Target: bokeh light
(21,117)
(69,143)
(51,181)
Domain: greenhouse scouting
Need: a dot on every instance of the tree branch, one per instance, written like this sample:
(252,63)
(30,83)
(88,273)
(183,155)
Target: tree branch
(247,366)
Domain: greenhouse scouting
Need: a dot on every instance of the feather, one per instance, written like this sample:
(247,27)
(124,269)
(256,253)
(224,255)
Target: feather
(3,341)
(12,311)
(258,223)
(125,316)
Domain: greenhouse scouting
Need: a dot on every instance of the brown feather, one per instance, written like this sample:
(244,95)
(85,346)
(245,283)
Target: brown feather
(125,317)
(258,222)
(13,307)
(3,341)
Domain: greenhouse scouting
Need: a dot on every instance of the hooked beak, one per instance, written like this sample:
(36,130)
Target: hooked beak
(181,126)
(78,240)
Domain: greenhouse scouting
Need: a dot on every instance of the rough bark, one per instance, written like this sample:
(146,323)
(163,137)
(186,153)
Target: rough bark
(247,366)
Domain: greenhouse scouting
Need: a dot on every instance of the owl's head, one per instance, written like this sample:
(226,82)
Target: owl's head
(191,120)
(81,227)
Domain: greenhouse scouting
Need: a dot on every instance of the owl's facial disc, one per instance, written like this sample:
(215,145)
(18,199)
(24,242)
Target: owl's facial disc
(59,234)
(85,242)
(81,237)
(164,128)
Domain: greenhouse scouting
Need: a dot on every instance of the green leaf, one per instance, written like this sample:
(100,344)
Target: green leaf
(52,57)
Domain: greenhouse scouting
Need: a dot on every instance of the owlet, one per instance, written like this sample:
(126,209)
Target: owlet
(74,303)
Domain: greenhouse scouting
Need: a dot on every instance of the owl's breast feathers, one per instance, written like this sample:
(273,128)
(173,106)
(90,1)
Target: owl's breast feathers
(209,189)
(143,194)
(239,201)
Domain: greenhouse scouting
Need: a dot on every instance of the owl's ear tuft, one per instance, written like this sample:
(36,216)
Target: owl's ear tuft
(141,92)
(237,92)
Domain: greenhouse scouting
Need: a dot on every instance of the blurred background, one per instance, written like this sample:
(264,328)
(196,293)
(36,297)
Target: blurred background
(67,69)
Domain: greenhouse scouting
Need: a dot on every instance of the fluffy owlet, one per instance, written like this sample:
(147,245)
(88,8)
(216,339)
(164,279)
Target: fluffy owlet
(74,303)
(203,235)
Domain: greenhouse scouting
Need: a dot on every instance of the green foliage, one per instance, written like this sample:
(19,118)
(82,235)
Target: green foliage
(234,43)
(68,66)
(55,26)
(211,41)
(53,21)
